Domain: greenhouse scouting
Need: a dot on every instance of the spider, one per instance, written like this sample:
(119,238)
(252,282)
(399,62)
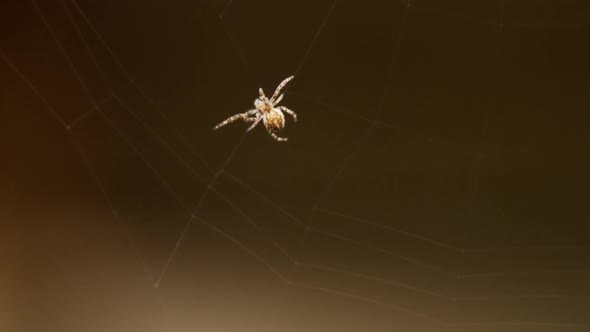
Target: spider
(266,110)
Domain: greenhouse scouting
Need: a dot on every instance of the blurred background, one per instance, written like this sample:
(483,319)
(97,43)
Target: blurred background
(437,178)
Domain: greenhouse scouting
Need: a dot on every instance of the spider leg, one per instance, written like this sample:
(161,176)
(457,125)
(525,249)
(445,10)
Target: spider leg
(280,88)
(233,118)
(255,122)
(252,112)
(277,138)
(263,97)
(276,102)
(291,113)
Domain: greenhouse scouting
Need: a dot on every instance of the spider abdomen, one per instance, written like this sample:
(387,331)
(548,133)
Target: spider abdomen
(274,120)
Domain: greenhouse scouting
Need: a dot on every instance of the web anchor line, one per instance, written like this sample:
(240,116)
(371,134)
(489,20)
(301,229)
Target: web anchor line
(195,210)
(372,125)
(78,147)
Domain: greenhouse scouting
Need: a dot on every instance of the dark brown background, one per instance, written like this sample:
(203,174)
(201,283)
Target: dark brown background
(464,207)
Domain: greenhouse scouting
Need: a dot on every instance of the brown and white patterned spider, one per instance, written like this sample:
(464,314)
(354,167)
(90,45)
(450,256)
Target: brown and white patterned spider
(266,110)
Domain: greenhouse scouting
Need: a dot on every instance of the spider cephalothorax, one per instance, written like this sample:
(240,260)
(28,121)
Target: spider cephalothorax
(266,111)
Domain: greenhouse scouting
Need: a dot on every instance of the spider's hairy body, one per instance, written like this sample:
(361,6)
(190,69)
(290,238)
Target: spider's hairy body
(266,111)
(265,107)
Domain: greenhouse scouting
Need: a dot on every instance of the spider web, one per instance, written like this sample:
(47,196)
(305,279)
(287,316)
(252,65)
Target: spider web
(433,183)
